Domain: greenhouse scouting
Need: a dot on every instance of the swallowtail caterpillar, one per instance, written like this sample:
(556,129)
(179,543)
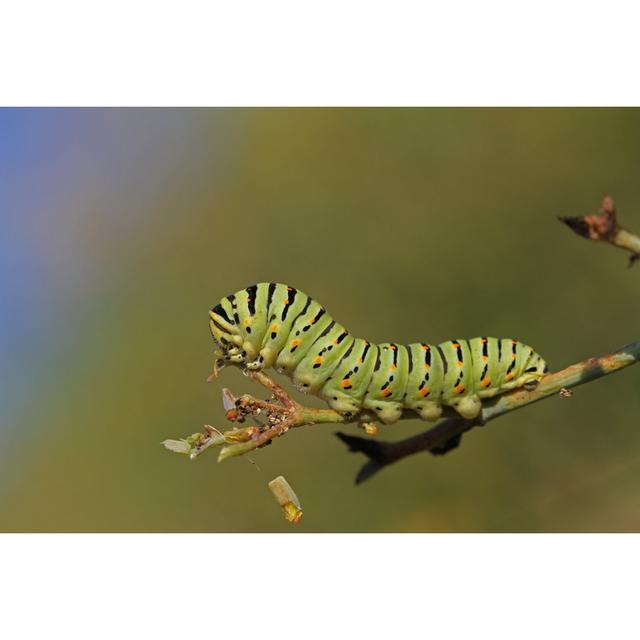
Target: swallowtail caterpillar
(274,325)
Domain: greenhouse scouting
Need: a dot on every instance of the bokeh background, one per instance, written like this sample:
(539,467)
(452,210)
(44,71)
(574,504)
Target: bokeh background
(120,228)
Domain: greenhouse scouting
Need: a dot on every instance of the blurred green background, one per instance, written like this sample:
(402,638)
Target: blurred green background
(120,228)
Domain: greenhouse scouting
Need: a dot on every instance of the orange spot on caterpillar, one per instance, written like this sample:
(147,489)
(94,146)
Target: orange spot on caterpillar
(346,383)
(425,347)
(510,375)
(484,341)
(386,392)
(424,391)
(295,343)
(485,358)
(392,367)
(360,360)
(274,327)
(460,363)
(392,347)
(455,345)
(459,388)
(485,382)
(335,341)
(318,360)
(427,366)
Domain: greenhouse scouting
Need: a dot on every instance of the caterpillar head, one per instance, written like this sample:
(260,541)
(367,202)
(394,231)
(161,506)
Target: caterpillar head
(226,338)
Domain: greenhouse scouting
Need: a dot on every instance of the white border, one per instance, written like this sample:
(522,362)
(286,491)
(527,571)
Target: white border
(319,586)
(329,53)
(548,52)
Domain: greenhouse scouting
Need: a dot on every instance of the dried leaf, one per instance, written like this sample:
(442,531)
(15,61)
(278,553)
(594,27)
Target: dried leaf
(177,446)
(287,499)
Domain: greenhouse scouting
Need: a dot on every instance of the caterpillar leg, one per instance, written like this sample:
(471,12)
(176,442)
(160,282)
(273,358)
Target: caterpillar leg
(429,410)
(387,412)
(528,380)
(343,403)
(468,407)
(255,365)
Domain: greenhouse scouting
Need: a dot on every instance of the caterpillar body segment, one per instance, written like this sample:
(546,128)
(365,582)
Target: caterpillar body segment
(349,382)
(275,325)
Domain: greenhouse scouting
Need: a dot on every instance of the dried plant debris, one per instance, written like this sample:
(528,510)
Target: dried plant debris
(369,428)
(287,499)
(196,443)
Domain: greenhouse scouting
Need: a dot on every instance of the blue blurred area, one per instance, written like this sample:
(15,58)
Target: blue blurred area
(60,170)
(27,144)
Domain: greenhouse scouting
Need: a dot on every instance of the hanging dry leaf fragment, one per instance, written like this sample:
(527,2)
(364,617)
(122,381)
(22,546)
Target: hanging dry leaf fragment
(287,499)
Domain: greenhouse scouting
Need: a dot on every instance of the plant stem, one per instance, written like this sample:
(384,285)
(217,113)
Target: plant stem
(449,430)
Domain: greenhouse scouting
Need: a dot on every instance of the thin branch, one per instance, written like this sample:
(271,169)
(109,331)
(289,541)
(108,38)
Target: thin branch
(605,228)
(281,413)
(445,436)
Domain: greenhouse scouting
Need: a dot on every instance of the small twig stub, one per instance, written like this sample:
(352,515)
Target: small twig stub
(604,227)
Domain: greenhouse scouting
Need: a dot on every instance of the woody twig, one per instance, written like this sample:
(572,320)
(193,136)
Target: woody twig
(604,227)
(273,417)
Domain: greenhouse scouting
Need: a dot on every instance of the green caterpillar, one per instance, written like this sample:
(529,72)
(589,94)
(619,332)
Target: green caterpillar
(274,325)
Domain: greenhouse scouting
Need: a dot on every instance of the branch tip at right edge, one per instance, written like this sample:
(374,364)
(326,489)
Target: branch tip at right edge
(577,225)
